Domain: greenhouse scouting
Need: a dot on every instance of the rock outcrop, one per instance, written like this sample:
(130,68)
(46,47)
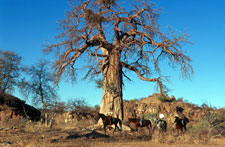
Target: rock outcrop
(155,103)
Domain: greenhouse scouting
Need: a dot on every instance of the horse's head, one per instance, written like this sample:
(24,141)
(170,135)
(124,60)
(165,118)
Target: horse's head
(100,115)
(97,117)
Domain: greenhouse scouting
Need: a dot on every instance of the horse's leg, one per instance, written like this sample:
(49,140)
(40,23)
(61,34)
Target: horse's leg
(182,131)
(149,128)
(160,129)
(115,127)
(105,128)
(136,127)
(185,129)
(165,127)
(120,123)
(178,129)
(118,126)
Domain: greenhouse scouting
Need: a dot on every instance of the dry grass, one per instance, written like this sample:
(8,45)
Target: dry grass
(32,134)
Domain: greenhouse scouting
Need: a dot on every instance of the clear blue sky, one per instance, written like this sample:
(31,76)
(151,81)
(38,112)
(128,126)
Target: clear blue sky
(26,24)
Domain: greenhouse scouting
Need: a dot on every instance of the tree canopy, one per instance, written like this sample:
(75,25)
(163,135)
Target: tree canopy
(95,27)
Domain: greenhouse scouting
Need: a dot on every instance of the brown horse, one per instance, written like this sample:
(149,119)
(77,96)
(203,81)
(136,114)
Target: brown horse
(109,120)
(181,127)
(136,122)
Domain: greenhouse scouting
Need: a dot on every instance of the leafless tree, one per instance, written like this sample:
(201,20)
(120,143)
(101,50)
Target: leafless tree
(77,104)
(9,70)
(112,37)
(39,85)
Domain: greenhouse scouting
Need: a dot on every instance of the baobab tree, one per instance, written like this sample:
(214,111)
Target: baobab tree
(114,37)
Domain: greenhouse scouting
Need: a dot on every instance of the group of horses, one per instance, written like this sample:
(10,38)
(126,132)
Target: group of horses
(160,124)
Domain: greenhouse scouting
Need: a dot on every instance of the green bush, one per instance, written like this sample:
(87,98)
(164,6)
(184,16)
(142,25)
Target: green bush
(151,116)
(161,98)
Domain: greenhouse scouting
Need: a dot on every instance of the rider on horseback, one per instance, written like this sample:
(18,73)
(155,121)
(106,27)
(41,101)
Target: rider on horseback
(181,115)
(161,118)
(161,115)
(161,122)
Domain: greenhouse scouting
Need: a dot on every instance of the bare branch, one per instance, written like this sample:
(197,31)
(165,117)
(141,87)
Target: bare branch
(133,68)
(100,28)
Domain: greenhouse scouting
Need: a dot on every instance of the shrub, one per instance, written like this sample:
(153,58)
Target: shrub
(161,98)
(212,125)
(151,116)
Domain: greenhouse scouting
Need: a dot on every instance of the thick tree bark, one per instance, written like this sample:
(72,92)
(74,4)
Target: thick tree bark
(112,98)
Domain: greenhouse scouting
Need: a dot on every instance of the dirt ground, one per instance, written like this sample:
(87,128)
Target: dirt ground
(74,137)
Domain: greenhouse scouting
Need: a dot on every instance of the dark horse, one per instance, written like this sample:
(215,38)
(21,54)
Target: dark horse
(136,122)
(179,125)
(109,120)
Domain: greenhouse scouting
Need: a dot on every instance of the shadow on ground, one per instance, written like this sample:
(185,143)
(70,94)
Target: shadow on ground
(92,135)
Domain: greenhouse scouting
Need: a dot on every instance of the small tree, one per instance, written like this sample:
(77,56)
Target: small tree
(78,104)
(9,70)
(40,85)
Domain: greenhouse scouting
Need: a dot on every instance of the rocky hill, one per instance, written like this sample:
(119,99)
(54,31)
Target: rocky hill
(13,108)
(155,103)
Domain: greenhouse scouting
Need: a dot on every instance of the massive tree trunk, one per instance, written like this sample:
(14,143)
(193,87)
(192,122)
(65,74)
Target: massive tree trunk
(112,99)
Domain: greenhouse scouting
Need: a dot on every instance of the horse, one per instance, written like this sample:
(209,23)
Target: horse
(161,125)
(136,122)
(179,125)
(109,120)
